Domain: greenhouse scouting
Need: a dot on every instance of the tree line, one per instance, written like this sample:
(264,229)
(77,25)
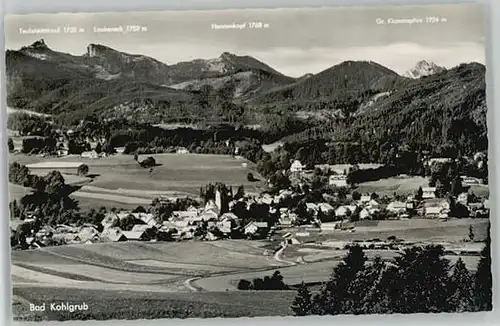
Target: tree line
(268,283)
(420,280)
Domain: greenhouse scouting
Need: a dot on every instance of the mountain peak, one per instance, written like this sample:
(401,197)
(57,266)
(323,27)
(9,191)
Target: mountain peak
(227,56)
(423,68)
(94,50)
(40,44)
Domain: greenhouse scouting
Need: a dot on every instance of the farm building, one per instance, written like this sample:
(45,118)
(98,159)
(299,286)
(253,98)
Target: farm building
(479,156)
(296,166)
(209,215)
(62,152)
(211,237)
(285,221)
(137,235)
(343,211)
(396,207)
(224,227)
(184,214)
(429,193)
(365,199)
(143,228)
(463,198)
(410,205)
(469,181)
(439,160)
(114,234)
(256,228)
(146,218)
(312,207)
(228,217)
(372,204)
(435,212)
(337,180)
(267,199)
(91,154)
(212,206)
(289,239)
(367,213)
(475,206)
(325,208)
(86,234)
(330,226)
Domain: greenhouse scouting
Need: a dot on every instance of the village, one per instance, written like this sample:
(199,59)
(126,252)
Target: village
(287,213)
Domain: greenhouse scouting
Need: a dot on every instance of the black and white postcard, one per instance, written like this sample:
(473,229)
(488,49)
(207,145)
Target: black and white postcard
(250,162)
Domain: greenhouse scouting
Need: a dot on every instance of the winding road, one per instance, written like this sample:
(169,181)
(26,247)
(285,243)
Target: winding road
(191,285)
(277,257)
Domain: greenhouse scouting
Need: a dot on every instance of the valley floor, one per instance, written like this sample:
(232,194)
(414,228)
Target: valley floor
(163,279)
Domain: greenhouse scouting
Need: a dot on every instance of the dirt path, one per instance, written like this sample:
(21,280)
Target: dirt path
(277,257)
(192,287)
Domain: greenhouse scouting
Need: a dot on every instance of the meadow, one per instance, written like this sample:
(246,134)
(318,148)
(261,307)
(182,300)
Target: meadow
(132,273)
(407,185)
(453,230)
(403,185)
(119,181)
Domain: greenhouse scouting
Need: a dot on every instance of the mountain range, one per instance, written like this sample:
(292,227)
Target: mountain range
(236,88)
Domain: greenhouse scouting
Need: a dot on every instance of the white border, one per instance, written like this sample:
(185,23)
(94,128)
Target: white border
(492,8)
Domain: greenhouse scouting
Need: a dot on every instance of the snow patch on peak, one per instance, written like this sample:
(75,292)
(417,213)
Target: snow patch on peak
(423,68)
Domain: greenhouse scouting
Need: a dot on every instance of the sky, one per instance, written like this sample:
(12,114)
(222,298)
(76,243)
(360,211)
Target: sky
(295,42)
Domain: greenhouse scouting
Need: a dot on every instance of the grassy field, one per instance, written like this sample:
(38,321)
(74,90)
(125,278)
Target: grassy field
(132,273)
(142,305)
(454,230)
(157,280)
(197,253)
(136,262)
(389,186)
(405,185)
(120,182)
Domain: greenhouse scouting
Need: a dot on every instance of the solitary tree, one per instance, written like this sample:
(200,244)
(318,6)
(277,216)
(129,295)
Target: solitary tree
(471,233)
(240,193)
(461,288)
(420,193)
(10,144)
(83,170)
(456,186)
(149,162)
(483,278)
(302,305)
(356,195)
(98,148)
(421,281)
(244,285)
(336,294)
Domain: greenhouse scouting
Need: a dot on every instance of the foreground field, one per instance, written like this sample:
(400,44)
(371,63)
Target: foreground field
(141,305)
(152,278)
(185,279)
(119,181)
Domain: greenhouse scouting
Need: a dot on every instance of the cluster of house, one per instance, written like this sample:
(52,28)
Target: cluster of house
(182,225)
